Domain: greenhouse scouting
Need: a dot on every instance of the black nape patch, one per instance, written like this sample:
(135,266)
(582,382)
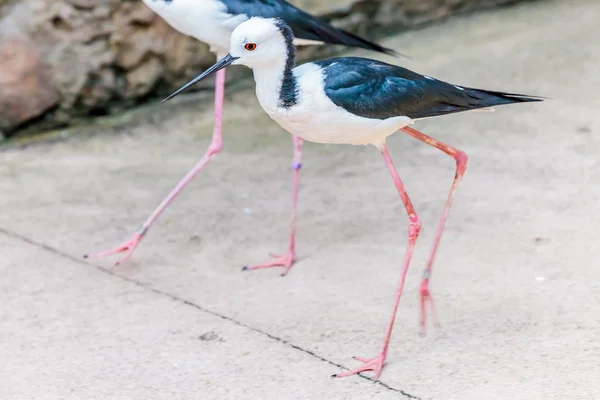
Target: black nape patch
(288,96)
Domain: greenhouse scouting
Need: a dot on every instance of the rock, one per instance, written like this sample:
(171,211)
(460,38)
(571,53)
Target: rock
(26,88)
(83,4)
(144,77)
(103,55)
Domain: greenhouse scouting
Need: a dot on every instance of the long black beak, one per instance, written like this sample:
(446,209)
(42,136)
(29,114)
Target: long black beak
(222,63)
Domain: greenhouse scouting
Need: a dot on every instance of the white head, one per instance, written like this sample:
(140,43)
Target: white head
(259,43)
(262,43)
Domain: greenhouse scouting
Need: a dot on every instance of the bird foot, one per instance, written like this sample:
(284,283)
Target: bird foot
(426,299)
(369,364)
(286,261)
(128,246)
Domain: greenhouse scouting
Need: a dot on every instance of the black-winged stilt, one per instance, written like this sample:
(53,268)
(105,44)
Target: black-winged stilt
(352,100)
(213,21)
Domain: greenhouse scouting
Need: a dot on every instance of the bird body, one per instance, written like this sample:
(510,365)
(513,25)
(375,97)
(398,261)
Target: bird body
(345,100)
(369,100)
(213,21)
(352,100)
(205,20)
(310,118)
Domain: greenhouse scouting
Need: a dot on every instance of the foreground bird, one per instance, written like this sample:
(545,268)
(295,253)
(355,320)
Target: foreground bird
(353,101)
(213,21)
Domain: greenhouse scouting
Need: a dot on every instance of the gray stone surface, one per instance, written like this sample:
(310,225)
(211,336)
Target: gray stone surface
(26,89)
(516,281)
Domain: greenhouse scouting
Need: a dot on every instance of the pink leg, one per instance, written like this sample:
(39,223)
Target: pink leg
(376,364)
(461,166)
(287,260)
(215,148)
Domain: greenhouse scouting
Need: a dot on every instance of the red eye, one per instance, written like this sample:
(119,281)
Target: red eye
(250,46)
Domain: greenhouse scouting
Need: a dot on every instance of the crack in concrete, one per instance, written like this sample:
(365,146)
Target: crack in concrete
(175,298)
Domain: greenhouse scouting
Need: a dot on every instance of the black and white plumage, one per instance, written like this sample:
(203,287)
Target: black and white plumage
(353,100)
(361,86)
(347,100)
(212,21)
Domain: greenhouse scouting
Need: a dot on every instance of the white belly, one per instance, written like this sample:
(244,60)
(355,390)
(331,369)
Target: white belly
(205,20)
(317,119)
(339,129)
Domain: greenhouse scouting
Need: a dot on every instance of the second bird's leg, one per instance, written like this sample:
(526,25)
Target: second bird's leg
(461,166)
(215,148)
(376,364)
(287,260)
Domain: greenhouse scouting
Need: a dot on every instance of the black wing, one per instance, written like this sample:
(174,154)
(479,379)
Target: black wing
(304,25)
(374,89)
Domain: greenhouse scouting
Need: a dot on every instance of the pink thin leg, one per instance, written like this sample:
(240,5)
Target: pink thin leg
(287,260)
(215,148)
(461,167)
(376,364)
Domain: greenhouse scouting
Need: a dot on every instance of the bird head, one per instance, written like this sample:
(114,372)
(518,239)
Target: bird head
(262,42)
(257,43)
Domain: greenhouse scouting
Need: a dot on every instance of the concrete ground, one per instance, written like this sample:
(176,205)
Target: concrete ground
(516,282)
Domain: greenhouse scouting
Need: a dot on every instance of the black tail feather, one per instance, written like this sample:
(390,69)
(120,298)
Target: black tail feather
(459,99)
(494,98)
(328,34)
(357,41)
(314,28)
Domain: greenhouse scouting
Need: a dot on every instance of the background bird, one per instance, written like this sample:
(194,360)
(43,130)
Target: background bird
(357,101)
(212,22)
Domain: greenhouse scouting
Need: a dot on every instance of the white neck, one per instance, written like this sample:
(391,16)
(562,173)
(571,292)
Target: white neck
(268,85)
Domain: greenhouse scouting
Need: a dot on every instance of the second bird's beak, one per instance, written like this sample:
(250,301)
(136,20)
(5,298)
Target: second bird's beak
(222,63)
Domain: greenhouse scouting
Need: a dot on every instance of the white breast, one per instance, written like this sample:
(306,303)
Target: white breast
(205,20)
(317,119)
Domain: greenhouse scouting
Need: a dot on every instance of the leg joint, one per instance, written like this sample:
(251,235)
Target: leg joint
(461,161)
(215,148)
(415,226)
(296,166)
